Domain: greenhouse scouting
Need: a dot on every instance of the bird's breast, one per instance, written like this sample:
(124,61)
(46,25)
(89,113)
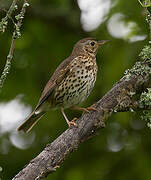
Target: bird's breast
(78,83)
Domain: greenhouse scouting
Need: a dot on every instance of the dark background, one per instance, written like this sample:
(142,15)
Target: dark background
(122,150)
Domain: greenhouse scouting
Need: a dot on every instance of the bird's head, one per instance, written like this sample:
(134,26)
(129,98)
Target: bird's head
(88,46)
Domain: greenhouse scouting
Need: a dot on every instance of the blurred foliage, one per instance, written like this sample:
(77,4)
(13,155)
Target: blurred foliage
(121,151)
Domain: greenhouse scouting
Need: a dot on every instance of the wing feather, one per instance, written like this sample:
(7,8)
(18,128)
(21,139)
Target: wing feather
(60,73)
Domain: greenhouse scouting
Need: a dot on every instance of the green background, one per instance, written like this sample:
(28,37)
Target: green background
(120,151)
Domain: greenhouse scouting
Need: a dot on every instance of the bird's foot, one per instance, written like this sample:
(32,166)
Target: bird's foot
(91,108)
(85,110)
(72,123)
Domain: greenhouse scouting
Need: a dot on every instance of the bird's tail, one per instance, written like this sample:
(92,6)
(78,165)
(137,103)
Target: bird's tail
(31,120)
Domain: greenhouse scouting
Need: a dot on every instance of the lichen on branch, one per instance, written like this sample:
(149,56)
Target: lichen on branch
(16,34)
(4,21)
(145,3)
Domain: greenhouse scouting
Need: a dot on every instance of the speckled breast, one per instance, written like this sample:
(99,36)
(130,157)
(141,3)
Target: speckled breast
(78,83)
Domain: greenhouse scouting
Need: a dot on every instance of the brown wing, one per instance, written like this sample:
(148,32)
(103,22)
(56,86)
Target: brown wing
(60,73)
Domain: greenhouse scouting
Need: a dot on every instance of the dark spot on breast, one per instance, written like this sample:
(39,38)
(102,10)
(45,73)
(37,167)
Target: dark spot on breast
(81,87)
(74,80)
(73,92)
(77,85)
(88,67)
(60,97)
(62,89)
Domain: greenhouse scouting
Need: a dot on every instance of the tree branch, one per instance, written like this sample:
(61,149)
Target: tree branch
(119,97)
(4,21)
(145,3)
(16,34)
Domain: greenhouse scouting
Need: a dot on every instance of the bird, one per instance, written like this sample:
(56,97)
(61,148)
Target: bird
(70,84)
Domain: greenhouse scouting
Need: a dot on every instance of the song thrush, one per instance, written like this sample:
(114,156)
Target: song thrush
(70,84)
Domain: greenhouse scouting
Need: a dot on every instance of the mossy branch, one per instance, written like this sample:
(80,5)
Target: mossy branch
(16,34)
(145,3)
(4,21)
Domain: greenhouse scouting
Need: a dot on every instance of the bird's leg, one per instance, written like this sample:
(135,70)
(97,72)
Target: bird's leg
(88,109)
(68,122)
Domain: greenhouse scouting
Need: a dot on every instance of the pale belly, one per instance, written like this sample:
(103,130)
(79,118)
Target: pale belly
(77,96)
(75,89)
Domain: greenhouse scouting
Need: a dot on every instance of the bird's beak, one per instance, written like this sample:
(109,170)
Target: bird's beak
(102,42)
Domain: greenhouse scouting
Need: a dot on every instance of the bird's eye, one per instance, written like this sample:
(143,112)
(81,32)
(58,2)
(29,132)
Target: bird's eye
(92,43)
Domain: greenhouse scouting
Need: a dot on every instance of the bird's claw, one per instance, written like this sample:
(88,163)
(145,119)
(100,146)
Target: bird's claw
(91,108)
(73,123)
(88,109)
